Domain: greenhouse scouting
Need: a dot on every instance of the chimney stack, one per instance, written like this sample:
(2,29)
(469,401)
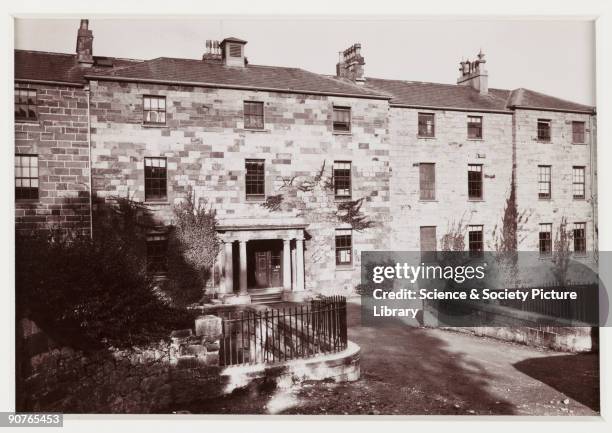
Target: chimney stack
(350,64)
(474,74)
(213,52)
(84,47)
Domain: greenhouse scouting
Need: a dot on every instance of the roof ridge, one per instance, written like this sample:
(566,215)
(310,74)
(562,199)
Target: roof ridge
(46,52)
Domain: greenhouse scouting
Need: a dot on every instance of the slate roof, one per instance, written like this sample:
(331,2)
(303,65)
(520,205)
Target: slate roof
(59,67)
(525,98)
(461,97)
(214,74)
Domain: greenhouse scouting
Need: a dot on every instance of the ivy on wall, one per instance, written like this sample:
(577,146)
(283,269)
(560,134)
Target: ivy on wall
(291,196)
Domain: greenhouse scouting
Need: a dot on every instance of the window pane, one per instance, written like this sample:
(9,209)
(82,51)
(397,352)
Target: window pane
(342,179)
(155,179)
(255,178)
(26,177)
(25,104)
(475,240)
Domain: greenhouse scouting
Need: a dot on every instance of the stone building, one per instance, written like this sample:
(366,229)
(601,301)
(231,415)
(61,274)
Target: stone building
(304,170)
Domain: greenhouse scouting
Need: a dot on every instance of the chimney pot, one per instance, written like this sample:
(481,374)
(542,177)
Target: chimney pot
(350,64)
(474,74)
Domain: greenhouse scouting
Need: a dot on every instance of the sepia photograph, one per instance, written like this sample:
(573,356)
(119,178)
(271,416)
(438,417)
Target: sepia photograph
(330,215)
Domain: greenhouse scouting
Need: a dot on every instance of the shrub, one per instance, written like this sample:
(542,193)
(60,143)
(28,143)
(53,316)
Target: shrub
(193,246)
(86,292)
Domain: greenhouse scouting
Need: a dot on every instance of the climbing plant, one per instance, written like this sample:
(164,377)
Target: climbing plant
(291,192)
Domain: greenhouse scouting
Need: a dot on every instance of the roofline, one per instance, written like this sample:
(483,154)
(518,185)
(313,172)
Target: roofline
(429,107)
(60,83)
(235,86)
(593,111)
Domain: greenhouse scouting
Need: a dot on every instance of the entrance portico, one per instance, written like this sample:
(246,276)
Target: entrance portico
(261,256)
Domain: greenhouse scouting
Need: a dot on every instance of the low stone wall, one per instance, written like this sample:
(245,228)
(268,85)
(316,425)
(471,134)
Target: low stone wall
(341,366)
(139,380)
(530,328)
(179,370)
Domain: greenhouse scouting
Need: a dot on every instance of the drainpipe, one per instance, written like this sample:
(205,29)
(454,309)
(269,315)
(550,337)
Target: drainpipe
(593,176)
(88,91)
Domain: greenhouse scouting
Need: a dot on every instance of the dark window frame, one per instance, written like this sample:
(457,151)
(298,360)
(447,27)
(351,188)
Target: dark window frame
(344,244)
(342,126)
(255,179)
(476,240)
(24,174)
(580,184)
(29,106)
(156,179)
(342,179)
(423,130)
(545,239)
(544,178)
(157,254)
(427,187)
(575,133)
(579,237)
(544,130)
(475,182)
(253,115)
(475,128)
(149,108)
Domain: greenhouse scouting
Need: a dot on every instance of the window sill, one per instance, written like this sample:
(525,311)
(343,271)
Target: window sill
(156,202)
(256,130)
(424,200)
(476,200)
(28,122)
(343,199)
(426,137)
(475,139)
(543,141)
(579,144)
(256,199)
(544,199)
(342,133)
(579,198)
(154,126)
(345,268)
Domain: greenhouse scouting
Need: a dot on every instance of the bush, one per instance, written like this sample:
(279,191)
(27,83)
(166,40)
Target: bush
(193,246)
(86,292)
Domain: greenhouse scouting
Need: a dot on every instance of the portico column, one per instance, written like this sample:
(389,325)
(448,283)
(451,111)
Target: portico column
(243,268)
(229,268)
(286,264)
(299,255)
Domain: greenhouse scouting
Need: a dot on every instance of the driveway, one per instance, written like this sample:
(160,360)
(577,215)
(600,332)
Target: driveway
(415,371)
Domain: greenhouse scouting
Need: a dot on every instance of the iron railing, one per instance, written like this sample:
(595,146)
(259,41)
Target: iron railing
(282,334)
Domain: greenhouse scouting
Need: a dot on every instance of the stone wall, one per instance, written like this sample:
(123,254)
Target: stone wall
(60,138)
(206,144)
(561,154)
(57,378)
(451,151)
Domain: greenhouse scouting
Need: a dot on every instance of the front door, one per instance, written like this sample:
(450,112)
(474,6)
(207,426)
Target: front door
(268,266)
(263,261)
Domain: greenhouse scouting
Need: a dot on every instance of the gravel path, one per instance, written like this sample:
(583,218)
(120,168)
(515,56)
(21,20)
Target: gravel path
(416,371)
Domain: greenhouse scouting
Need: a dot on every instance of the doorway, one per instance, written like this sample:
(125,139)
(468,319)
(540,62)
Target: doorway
(265,264)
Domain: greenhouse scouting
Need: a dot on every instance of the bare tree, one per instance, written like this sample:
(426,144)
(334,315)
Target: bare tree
(561,253)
